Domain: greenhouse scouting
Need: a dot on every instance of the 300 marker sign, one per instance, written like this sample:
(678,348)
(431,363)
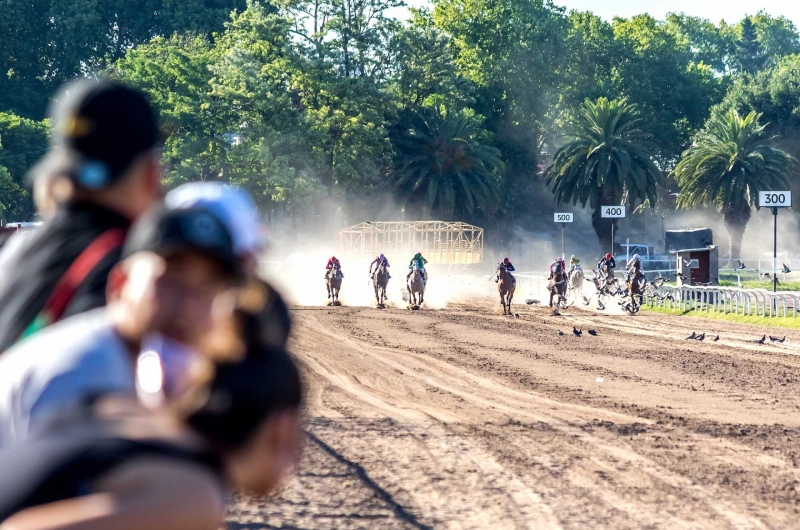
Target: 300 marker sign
(775,199)
(612,212)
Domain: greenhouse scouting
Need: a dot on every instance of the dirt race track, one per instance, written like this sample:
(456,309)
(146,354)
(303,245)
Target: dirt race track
(461,418)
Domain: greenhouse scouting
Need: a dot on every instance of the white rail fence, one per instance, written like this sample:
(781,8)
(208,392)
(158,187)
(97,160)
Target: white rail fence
(753,302)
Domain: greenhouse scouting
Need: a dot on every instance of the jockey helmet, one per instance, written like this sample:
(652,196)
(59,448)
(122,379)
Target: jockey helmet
(573,258)
(333,258)
(382,256)
(608,256)
(506,260)
(635,257)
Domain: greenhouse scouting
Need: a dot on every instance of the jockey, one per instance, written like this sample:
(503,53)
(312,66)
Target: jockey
(558,260)
(329,267)
(607,265)
(509,267)
(376,264)
(574,264)
(420,261)
(634,267)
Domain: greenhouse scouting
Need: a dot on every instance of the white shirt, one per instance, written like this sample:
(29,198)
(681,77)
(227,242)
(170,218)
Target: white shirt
(59,368)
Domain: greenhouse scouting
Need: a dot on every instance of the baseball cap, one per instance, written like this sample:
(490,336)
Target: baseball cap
(231,204)
(100,128)
(168,232)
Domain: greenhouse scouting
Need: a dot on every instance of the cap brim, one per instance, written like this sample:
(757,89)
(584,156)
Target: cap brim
(58,161)
(231,264)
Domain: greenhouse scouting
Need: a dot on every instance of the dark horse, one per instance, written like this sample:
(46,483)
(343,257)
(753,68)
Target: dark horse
(635,291)
(558,287)
(506,287)
(380,279)
(334,284)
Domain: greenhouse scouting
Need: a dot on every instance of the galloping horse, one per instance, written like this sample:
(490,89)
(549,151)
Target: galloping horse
(575,282)
(558,287)
(334,284)
(379,281)
(416,288)
(633,298)
(506,287)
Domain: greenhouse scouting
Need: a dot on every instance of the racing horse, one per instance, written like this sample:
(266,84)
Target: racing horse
(506,287)
(558,287)
(380,279)
(334,284)
(632,300)
(416,288)
(575,284)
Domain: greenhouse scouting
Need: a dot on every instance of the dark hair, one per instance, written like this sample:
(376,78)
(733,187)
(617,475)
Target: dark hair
(242,394)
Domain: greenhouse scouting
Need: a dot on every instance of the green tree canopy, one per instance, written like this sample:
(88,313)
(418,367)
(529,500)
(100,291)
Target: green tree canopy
(729,163)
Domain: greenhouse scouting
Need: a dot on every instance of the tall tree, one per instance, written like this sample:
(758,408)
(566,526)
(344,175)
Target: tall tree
(444,168)
(22,142)
(729,163)
(608,160)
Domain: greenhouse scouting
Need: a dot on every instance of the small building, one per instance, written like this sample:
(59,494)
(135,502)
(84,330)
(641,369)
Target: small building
(697,266)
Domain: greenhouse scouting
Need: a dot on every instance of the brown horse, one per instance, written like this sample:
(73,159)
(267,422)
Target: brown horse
(416,288)
(380,279)
(506,287)
(334,284)
(558,287)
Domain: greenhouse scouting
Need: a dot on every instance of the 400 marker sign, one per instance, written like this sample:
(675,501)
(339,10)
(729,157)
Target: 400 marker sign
(612,212)
(775,199)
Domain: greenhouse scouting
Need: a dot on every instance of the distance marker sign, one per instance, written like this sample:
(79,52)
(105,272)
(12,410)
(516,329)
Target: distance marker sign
(612,212)
(562,217)
(774,199)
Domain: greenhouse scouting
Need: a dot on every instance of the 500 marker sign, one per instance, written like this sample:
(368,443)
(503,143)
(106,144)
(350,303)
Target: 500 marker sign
(562,217)
(612,212)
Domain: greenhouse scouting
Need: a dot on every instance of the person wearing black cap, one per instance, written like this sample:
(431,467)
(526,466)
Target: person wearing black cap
(123,467)
(176,265)
(103,165)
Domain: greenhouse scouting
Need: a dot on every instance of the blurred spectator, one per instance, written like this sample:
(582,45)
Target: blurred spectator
(176,265)
(126,470)
(103,172)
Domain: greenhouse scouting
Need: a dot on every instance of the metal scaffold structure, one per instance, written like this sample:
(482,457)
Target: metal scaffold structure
(440,242)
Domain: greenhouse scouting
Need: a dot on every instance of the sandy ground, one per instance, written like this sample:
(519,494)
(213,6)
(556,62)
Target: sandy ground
(462,418)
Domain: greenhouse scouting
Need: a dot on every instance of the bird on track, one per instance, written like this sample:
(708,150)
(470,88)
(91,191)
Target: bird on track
(593,333)
(600,305)
(700,337)
(716,338)
(516,315)
(692,336)
(576,331)
(761,340)
(531,301)
(786,269)
(560,333)
(776,339)
(741,264)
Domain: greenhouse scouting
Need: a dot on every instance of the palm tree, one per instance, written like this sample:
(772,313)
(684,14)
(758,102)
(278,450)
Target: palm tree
(444,168)
(607,161)
(729,163)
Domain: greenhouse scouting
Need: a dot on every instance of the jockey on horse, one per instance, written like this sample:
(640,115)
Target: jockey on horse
(606,266)
(420,261)
(558,277)
(574,264)
(376,264)
(329,267)
(509,267)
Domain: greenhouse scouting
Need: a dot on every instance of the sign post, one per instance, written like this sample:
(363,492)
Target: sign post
(774,200)
(612,212)
(563,218)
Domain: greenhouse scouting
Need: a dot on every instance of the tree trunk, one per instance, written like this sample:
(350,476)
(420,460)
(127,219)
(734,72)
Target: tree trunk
(735,222)
(602,227)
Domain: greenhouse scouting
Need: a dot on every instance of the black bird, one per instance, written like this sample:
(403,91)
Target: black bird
(593,333)
(701,337)
(560,333)
(741,264)
(761,340)
(516,315)
(681,276)
(531,301)
(716,338)
(576,332)
(600,305)
(776,339)
(786,269)
(692,336)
